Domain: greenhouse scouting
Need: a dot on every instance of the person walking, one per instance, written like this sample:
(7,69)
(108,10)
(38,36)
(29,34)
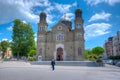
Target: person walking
(53,64)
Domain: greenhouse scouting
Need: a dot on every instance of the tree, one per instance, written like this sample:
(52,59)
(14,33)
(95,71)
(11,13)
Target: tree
(22,38)
(4,45)
(32,52)
(98,51)
(94,54)
(0,49)
(89,55)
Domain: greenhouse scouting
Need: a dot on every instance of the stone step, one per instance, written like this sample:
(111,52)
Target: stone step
(69,63)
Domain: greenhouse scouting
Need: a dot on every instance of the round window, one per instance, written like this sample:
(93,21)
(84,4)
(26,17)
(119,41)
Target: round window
(59,27)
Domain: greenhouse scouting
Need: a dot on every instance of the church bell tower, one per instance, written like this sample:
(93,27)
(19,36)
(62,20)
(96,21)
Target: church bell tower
(41,35)
(78,19)
(42,23)
(79,35)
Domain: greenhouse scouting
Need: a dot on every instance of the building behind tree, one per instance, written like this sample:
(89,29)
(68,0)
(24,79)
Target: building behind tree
(112,45)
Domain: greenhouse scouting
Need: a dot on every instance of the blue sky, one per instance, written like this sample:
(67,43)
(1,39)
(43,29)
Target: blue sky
(101,17)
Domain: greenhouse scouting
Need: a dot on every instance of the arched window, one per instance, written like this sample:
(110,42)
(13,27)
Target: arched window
(41,29)
(79,51)
(60,36)
(78,36)
(78,26)
(40,51)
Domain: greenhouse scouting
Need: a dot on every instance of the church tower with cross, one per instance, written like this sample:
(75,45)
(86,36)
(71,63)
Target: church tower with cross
(63,42)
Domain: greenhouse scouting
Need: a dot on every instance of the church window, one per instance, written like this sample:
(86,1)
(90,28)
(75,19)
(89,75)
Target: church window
(78,26)
(40,51)
(41,29)
(79,51)
(79,35)
(60,36)
(59,27)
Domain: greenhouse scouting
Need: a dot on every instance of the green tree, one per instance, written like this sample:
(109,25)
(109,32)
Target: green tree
(98,51)
(0,49)
(22,38)
(89,55)
(32,53)
(4,45)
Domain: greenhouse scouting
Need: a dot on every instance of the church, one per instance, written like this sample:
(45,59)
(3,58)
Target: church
(62,42)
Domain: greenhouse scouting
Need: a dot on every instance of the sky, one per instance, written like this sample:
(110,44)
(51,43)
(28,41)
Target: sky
(101,17)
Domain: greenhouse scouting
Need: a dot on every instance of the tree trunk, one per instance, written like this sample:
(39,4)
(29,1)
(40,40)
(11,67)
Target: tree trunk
(18,56)
(3,54)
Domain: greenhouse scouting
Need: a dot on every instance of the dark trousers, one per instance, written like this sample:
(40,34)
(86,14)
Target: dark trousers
(53,67)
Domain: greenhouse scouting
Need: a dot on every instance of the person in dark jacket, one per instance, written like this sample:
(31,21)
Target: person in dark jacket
(53,64)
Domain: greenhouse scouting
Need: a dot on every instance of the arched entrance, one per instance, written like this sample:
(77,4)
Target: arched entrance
(59,54)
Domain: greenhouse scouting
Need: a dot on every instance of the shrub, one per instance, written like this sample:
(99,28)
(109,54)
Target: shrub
(5,59)
(31,58)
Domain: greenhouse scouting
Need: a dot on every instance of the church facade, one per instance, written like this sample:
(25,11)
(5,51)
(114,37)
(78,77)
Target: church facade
(61,43)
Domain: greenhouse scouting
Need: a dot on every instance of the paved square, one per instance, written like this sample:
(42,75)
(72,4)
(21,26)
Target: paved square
(26,71)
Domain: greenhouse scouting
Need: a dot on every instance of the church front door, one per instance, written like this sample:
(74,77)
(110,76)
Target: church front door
(59,54)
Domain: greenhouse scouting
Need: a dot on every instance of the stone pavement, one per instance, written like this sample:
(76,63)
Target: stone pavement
(25,71)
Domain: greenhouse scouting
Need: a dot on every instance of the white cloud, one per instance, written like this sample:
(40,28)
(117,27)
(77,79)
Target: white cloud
(64,8)
(24,21)
(100,16)
(95,2)
(10,28)
(25,10)
(68,15)
(35,37)
(20,9)
(10,40)
(74,4)
(96,29)
(5,39)
(49,9)
(112,2)
(50,16)
(50,19)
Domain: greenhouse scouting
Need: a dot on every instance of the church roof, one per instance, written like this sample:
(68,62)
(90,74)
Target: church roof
(78,10)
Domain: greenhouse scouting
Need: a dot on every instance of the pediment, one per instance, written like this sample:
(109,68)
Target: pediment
(60,27)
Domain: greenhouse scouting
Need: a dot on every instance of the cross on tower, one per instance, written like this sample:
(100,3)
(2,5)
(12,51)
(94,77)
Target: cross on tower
(64,15)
